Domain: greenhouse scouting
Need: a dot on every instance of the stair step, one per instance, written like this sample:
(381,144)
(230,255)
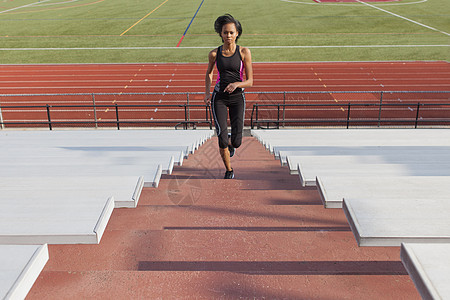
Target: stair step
(222,284)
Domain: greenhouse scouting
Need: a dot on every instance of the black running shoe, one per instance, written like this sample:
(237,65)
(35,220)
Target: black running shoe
(232,150)
(229,174)
(230,147)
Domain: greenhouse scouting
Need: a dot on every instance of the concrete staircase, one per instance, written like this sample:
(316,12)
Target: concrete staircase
(199,236)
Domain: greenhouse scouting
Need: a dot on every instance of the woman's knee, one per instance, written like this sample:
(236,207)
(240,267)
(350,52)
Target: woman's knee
(223,141)
(236,142)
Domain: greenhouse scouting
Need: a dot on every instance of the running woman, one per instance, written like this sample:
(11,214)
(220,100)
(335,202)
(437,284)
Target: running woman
(232,62)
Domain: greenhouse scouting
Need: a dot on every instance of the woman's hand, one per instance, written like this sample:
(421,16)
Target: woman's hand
(231,87)
(207,99)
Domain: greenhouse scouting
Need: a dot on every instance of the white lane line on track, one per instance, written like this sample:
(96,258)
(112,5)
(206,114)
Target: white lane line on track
(427,75)
(259,79)
(253,47)
(23,6)
(404,18)
(199,87)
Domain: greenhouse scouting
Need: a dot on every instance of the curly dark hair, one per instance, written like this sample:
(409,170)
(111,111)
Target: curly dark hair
(226,19)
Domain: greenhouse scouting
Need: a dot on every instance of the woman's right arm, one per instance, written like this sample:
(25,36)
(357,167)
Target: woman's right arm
(209,75)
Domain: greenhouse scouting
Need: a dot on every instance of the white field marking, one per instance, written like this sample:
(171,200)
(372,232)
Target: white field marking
(350,4)
(19,7)
(56,3)
(210,47)
(404,18)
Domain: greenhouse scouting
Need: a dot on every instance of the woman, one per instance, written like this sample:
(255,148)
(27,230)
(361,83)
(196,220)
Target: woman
(232,62)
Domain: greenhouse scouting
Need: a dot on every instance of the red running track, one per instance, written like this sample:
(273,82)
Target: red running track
(184,78)
(138,78)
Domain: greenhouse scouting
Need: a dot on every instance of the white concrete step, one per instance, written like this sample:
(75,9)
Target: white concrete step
(41,219)
(148,140)
(125,190)
(429,267)
(334,189)
(20,266)
(308,175)
(149,165)
(392,221)
(403,158)
(388,153)
(352,137)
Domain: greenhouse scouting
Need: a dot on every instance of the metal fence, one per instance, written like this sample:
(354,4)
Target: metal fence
(74,116)
(187,110)
(104,110)
(360,114)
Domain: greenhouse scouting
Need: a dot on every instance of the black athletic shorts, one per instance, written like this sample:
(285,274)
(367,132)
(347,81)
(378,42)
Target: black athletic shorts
(235,103)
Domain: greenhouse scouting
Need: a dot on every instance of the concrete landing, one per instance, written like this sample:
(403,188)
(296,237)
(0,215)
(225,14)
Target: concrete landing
(429,267)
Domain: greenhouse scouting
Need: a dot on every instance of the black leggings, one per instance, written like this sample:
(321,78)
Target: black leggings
(236,106)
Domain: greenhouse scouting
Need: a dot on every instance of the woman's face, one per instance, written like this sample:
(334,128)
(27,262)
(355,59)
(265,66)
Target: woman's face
(229,33)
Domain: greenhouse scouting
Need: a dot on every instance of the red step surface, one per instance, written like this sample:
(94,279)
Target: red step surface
(198,236)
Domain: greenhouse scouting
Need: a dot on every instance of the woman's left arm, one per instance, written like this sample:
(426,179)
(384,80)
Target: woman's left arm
(248,82)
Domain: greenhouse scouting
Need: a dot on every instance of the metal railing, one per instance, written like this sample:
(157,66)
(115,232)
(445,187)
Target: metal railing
(276,114)
(48,110)
(183,110)
(185,123)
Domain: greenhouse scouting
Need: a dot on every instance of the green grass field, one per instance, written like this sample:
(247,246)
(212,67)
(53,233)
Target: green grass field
(115,31)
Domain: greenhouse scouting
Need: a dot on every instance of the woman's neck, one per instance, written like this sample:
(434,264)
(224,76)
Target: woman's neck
(228,48)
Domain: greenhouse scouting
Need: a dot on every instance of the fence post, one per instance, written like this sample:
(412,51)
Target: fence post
(417,115)
(348,115)
(278,117)
(251,117)
(95,110)
(284,107)
(256,118)
(117,116)
(48,117)
(188,108)
(185,117)
(379,113)
(1,118)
